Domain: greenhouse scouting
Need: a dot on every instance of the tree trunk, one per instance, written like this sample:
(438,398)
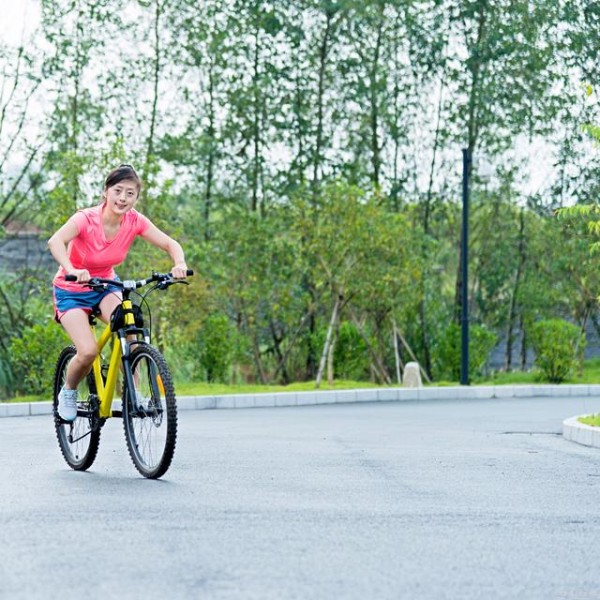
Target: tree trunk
(300,130)
(256,122)
(277,339)
(211,152)
(330,354)
(332,324)
(512,313)
(323,56)
(374,116)
(399,366)
(154,107)
(424,327)
(523,343)
(311,356)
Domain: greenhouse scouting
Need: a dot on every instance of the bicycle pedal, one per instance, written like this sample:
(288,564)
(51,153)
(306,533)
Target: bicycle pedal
(61,420)
(117,413)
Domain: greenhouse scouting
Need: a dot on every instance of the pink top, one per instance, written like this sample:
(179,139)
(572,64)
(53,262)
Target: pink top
(92,251)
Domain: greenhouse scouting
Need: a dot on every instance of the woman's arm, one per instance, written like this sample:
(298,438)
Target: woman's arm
(161,240)
(57,245)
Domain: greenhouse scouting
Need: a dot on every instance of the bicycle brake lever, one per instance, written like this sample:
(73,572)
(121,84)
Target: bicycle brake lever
(163,285)
(94,284)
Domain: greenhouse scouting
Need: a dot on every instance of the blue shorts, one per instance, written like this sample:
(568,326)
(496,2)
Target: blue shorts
(65,300)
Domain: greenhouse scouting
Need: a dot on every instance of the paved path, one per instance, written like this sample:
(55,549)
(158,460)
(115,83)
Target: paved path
(453,499)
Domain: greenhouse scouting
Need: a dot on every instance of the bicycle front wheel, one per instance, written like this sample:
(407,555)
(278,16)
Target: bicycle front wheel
(79,439)
(150,413)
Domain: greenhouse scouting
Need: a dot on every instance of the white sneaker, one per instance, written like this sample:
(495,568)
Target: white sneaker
(67,404)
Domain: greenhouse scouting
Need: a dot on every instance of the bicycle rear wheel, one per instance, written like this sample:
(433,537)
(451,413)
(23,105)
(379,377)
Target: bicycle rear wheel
(78,440)
(150,413)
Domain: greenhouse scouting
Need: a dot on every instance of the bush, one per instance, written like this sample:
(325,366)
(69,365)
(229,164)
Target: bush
(448,359)
(558,347)
(216,347)
(6,376)
(33,358)
(350,356)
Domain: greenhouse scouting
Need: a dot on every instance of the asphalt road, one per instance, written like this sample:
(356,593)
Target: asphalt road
(414,500)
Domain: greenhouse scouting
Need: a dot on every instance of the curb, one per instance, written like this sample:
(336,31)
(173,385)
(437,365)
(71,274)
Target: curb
(261,400)
(580,433)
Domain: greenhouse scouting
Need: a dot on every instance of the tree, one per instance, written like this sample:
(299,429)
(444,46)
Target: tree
(508,79)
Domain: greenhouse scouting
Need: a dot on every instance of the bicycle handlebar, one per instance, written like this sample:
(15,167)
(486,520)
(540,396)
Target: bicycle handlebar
(128,284)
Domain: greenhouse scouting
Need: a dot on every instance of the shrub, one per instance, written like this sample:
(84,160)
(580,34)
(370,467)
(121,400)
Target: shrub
(350,355)
(6,376)
(33,358)
(448,359)
(216,347)
(558,347)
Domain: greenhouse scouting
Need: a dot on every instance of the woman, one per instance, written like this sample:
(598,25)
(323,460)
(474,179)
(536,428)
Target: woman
(90,244)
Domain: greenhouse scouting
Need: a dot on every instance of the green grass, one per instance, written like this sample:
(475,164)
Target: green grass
(590,374)
(593,420)
(28,398)
(222,389)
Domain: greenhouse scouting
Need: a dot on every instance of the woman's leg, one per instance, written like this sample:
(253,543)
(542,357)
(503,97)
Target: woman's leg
(76,324)
(108,305)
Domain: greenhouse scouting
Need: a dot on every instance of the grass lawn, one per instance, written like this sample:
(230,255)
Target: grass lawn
(593,420)
(222,389)
(589,374)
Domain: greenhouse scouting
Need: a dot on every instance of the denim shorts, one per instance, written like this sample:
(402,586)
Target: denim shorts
(65,300)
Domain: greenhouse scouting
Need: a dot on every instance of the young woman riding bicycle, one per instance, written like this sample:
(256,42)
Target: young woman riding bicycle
(90,244)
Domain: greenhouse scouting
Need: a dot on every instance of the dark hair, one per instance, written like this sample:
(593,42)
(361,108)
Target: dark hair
(122,173)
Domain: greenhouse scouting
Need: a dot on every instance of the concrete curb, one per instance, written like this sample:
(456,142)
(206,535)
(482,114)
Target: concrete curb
(29,409)
(577,432)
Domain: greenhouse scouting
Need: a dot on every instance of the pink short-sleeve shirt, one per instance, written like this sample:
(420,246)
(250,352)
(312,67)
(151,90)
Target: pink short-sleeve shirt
(92,251)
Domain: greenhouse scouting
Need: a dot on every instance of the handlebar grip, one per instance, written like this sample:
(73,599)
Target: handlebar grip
(70,277)
(189,272)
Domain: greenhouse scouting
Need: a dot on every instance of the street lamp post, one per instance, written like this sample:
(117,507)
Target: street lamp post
(464,292)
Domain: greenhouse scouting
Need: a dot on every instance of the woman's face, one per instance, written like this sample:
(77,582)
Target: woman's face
(122,196)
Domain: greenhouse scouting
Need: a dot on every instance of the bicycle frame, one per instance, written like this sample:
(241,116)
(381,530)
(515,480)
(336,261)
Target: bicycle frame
(119,354)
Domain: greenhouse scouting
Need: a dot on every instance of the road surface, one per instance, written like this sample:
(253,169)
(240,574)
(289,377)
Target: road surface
(478,499)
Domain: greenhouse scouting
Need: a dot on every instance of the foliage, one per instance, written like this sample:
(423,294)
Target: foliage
(350,356)
(216,347)
(448,357)
(6,376)
(33,358)
(303,151)
(558,347)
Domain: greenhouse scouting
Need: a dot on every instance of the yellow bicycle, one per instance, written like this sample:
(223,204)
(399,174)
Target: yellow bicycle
(149,408)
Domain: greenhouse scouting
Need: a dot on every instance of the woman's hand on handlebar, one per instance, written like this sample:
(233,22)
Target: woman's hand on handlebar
(81,275)
(180,271)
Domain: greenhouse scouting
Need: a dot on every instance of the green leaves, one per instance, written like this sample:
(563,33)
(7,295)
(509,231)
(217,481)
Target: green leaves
(305,149)
(33,358)
(558,348)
